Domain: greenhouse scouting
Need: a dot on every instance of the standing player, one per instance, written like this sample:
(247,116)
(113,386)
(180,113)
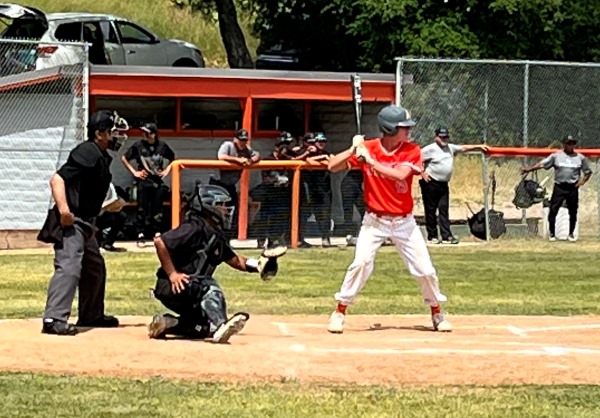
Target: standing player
(571,171)
(388,164)
(150,155)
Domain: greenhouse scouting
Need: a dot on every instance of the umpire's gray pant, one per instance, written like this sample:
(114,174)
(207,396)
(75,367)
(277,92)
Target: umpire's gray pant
(77,261)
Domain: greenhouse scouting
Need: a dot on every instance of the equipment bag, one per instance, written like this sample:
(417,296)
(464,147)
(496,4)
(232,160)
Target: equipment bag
(529,192)
(496,218)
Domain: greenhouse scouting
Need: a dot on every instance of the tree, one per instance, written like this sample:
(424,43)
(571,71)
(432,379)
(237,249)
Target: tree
(368,34)
(238,55)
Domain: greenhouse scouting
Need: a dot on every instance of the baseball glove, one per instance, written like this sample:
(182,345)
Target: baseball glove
(267,263)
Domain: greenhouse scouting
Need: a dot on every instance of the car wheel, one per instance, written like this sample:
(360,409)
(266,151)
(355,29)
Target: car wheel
(185,62)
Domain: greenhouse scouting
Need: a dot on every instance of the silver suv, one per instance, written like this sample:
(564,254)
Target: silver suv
(113,40)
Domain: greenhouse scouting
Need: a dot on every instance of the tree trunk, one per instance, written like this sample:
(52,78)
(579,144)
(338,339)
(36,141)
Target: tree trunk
(238,55)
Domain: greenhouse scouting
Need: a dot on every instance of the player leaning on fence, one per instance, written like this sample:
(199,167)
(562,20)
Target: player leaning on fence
(438,160)
(571,171)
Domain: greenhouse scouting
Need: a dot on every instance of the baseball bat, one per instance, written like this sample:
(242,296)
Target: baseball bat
(357,100)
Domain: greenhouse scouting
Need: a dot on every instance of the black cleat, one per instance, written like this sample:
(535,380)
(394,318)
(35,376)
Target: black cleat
(106,321)
(55,327)
(160,325)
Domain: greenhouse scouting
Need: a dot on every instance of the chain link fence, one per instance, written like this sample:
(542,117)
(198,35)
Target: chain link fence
(44,96)
(504,104)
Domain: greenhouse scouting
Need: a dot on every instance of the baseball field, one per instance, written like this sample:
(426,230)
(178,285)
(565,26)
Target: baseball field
(525,341)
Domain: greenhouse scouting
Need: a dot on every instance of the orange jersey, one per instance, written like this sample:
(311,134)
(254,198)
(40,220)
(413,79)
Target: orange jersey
(383,195)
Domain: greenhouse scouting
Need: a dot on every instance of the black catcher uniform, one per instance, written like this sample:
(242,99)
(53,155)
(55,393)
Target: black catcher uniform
(189,255)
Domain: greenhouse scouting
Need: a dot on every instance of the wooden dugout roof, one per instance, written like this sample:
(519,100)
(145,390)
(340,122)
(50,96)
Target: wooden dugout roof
(134,81)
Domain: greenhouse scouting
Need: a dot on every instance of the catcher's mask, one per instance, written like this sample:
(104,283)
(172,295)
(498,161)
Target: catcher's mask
(213,202)
(106,120)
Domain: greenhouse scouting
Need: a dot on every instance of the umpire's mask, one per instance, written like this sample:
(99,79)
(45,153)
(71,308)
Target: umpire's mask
(119,132)
(213,202)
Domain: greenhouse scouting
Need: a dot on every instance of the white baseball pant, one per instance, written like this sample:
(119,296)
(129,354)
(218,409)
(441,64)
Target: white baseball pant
(408,239)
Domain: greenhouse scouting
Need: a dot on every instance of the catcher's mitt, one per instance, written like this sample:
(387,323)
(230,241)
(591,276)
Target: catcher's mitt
(267,263)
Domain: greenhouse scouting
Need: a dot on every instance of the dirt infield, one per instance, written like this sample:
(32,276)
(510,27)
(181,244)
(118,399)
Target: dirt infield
(373,350)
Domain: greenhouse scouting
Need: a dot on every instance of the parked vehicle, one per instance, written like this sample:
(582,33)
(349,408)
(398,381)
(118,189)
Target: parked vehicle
(113,41)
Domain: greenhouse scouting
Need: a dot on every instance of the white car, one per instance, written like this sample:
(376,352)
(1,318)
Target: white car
(113,41)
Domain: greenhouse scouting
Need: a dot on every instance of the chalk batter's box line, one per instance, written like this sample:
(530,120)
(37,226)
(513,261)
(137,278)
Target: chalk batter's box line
(284,327)
(550,351)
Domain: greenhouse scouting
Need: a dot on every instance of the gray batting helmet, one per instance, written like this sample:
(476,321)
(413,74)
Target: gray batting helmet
(391,117)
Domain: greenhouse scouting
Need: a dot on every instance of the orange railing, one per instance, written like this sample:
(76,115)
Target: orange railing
(536,152)
(296,166)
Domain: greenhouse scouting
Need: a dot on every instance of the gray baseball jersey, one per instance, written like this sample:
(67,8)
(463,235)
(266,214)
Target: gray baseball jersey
(231,177)
(438,161)
(567,168)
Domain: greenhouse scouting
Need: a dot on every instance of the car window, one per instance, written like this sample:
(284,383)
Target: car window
(69,32)
(24,28)
(108,30)
(91,32)
(133,34)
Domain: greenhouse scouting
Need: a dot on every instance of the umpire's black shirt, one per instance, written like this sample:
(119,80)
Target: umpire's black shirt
(196,248)
(87,178)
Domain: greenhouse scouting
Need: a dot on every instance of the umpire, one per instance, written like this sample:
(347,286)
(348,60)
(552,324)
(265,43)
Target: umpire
(571,171)
(79,188)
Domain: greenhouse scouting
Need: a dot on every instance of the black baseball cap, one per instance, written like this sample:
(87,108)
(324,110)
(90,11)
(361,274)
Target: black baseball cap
(309,137)
(320,137)
(442,132)
(241,134)
(101,120)
(284,138)
(569,139)
(150,128)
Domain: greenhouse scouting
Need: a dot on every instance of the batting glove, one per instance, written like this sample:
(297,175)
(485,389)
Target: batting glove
(363,155)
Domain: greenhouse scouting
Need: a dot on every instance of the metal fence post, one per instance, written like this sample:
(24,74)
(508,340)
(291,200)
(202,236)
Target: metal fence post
(399,82)
(525,124)
(86,88)
(486,204)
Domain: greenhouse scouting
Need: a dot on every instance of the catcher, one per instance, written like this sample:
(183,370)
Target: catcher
(189,255)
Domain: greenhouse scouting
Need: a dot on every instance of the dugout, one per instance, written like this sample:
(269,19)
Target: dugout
(197,109)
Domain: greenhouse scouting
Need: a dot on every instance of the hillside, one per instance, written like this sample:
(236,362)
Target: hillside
(162,18)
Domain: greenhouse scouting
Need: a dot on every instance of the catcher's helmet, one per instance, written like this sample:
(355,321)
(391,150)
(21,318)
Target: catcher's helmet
(211,201)
(391,117)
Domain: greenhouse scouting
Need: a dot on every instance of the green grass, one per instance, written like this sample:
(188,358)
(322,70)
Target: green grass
(161,17)
(511,277)
(35,395)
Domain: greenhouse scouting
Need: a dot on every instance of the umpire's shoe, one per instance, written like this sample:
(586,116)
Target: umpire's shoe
(105,321)
(234,325)
(55,327)
(161,325)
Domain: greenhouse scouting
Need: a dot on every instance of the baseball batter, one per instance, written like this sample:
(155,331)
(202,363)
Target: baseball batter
(388,165)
